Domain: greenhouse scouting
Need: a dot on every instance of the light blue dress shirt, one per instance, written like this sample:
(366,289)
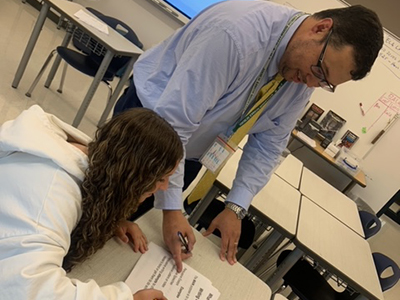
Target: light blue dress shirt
(199,80)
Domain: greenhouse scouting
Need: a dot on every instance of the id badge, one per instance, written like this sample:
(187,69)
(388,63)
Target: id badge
(217,154)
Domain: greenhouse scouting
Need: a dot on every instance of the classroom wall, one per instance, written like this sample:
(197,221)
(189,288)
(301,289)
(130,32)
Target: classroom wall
(379,93)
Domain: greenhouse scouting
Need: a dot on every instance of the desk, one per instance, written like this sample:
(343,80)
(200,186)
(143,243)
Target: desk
(331,200)
(336,247)
(394,215)
(277,204)
(358,178)
(115,261)
(290,170)
(114,42)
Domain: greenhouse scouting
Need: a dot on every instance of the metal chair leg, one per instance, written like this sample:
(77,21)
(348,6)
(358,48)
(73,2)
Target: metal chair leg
(106,111)
(63,75)
(59,23)
(35,82)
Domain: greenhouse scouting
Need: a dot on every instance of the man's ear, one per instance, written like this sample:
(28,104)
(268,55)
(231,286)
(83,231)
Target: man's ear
(322,26)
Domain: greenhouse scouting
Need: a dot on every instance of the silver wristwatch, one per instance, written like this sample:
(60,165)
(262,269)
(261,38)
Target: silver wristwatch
(238,210)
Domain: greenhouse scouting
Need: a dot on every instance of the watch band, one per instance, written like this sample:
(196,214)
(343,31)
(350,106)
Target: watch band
(238,210)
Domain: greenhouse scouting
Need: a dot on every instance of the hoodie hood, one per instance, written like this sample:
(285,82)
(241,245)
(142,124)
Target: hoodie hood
(44,135)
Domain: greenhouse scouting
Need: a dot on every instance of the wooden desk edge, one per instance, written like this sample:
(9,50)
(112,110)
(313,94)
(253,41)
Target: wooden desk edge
(359,178)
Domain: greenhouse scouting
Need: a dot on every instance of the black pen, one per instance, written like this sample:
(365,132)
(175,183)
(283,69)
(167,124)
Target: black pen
(183,241)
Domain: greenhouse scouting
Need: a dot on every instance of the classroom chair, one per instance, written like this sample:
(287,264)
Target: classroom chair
(370,223)
(308,284)
(90,55)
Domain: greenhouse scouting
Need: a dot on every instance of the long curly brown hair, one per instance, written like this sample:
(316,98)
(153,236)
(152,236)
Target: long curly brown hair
(128,156)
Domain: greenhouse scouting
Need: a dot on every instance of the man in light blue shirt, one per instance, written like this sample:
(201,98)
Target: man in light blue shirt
(200,78)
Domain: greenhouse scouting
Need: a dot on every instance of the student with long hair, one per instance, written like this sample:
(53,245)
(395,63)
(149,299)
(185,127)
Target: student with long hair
(62,196)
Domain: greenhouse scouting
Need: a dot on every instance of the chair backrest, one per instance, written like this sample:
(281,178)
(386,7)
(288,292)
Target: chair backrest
(382,263)
(127,32)
(370,223)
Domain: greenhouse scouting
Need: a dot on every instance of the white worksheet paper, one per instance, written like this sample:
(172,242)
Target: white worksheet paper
(156,270)
(92,21)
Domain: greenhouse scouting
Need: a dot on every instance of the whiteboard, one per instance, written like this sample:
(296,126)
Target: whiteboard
(378,92)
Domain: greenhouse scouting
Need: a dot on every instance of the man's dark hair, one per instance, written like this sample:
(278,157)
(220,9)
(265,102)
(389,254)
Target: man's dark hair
(359,27)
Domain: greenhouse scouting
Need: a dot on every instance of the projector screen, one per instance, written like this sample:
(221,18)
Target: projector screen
(192,7)
(184,10)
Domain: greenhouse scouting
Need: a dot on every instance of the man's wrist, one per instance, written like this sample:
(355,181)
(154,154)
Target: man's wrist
(239,211)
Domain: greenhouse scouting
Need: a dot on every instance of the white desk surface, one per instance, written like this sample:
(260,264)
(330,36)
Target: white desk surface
(115,261)
(337,248)
(331,199)
(290,170)
(114,41)
(278,201)
(228,172)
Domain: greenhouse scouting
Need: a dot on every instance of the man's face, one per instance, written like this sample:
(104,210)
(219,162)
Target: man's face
(300,55)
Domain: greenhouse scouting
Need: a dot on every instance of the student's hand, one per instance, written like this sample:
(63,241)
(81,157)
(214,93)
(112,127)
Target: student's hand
(126,230)
(149,294)
(230,227)
(174,221)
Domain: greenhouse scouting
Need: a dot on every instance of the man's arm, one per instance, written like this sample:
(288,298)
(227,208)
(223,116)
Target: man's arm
(174,222)
(198,82)
(260,156)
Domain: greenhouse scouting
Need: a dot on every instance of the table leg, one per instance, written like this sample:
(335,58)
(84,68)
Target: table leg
(31,44)
(274,280)
(202,205)
(267,247)
(57,60)
(92,89)
(349,187)
(118,89)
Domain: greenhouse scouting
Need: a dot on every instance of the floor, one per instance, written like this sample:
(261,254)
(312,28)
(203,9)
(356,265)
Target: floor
(18,20)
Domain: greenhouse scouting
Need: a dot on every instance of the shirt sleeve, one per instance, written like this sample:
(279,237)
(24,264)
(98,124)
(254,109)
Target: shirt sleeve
(38,275)
(198,82)
(261,154)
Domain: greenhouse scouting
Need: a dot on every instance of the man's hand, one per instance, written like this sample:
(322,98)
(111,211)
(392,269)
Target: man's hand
(173,222)
(149,294)
(230,227)
(126,230)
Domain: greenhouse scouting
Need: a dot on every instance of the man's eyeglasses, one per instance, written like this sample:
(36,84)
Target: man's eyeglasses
(319,72)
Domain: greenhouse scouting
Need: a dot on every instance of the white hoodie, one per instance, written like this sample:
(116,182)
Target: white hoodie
(40,204)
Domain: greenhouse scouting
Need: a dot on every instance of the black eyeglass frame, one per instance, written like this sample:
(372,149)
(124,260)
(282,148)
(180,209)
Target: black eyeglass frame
(319,72)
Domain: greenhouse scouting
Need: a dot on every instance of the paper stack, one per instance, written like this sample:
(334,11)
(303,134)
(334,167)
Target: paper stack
(156,270)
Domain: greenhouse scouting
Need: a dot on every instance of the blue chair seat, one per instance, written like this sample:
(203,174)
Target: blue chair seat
(82,63)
